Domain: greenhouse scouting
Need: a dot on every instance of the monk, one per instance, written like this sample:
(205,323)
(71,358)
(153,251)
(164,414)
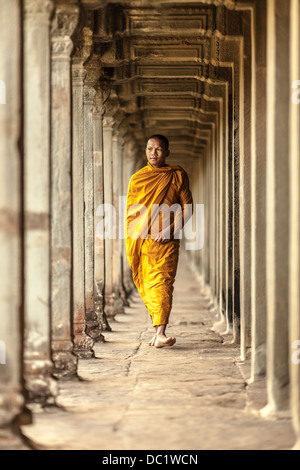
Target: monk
(159,202)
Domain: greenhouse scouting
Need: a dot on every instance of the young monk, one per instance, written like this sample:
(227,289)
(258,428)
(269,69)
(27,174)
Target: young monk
(152,241)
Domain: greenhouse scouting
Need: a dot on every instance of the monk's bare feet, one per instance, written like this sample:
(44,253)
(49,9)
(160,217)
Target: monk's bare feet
(162,341)
(152,341)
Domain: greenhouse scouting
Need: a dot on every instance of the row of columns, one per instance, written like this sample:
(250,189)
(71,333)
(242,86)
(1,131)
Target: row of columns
(65,152)
(63,284)
(254,207)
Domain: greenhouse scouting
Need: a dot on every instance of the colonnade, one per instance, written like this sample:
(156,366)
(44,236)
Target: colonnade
(85,84)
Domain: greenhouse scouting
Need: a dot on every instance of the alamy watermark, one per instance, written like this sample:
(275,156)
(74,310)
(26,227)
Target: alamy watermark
(144,222)
(2,352)
(296,93)
(2,92)
(296,354)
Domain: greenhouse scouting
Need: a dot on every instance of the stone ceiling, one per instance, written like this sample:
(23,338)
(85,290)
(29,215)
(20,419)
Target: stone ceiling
(171,68)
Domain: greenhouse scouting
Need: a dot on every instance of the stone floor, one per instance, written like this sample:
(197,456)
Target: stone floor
(194,396)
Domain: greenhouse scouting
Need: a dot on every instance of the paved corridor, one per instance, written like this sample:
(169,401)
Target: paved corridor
(131,396)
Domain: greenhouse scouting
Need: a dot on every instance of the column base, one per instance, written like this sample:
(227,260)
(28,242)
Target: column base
(11,405)
(40,386)
(297,445)
(124,297)
(118,302)
(65,363)
(93,327)
(102,319)
(83,345)
(129,287)
(110,308)
(9,440)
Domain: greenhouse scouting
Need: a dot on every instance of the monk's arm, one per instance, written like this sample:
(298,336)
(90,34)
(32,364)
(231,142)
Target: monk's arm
(186,203)
(182,216)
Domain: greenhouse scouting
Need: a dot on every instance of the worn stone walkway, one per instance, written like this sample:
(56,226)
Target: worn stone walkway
(131,396)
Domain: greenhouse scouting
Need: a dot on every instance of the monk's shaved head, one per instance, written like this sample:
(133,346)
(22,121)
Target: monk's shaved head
(162,138)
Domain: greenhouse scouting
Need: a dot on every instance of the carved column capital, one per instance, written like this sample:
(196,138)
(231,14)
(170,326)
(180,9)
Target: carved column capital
(108,121)
(89,94)
(38,9)
(99,108)
(63,26)
(78,74)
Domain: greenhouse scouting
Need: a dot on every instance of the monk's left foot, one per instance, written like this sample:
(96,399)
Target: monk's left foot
(163,342)
(152,341)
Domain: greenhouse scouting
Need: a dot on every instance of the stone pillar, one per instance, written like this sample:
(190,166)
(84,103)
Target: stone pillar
(108,121)
(121,216)
(11,281)
(37,363)
(83,343)
(258,194)
(246,156)
(99,266)
(294,256)
(63,26)
(128,171)
(89,93)
(117,168)
(277,190)
(237,125)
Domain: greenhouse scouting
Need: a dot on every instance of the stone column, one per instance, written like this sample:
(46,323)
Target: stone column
(108,121)
(237,125)
(294,256)
(128,171)
(246,156)
(89,93)
(38,366)
(11,280)
(83,343)
(99,265)
(258,194)
(117,168)
(121,215)
(277,190)
(63,26)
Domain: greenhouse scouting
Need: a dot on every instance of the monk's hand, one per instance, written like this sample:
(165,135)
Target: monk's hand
(163,236)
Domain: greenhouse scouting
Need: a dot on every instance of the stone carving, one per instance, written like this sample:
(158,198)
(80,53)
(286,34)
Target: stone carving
(65,21)
(37,7)
(78,74)
(61,47)
(89,95)
(63,26)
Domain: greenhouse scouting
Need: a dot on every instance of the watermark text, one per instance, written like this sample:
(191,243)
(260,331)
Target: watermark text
(2,352)
(296,354)
(173,222)
(296,93)
(2,92)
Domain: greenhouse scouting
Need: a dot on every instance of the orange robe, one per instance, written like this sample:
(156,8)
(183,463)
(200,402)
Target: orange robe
(154,264)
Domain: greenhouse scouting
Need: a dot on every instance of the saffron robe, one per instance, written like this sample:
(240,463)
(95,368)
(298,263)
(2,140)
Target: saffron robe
(154,264)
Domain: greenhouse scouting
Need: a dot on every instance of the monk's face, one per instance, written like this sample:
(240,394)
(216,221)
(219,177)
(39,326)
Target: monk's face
(156,153)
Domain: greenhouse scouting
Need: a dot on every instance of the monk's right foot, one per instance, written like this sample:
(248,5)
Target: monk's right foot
(163,341)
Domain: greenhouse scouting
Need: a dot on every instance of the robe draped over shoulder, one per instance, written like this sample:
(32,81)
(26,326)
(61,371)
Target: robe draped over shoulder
(151,192)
